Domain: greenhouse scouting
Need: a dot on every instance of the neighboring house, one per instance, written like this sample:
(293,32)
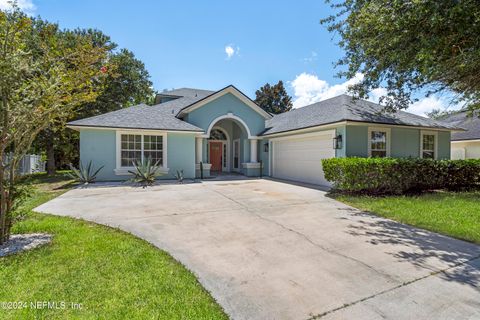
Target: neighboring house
(227,132)
(465,144)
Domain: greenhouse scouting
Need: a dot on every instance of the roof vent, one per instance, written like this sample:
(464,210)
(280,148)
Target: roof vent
(195,94)
(173,111)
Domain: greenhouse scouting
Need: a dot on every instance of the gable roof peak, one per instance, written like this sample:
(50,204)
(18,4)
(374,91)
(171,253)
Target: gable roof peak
(216,94)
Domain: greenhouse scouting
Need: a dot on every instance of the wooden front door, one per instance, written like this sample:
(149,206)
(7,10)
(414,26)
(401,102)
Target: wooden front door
(216,155)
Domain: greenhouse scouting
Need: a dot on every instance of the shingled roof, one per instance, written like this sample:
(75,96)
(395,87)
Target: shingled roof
(345,108)
(187,92)
(160,116)
(470,123)
(142,116)
(341,108)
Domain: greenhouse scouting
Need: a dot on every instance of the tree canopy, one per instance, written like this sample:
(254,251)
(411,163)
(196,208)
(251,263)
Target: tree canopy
(409,47)
(125,83)
(129,85)
(274,99)
(45,73)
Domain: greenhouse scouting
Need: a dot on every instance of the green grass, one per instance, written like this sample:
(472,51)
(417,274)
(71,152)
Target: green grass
(112,274)
(456,214)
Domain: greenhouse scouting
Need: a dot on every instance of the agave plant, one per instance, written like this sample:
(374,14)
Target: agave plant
(84,174)
(179,176)
(145,172)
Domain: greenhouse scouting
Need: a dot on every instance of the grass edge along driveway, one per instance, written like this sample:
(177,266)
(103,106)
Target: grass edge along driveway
(110,273)
(455,214)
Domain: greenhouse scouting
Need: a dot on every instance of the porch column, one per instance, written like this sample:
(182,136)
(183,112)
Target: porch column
(198,149)
(253,150)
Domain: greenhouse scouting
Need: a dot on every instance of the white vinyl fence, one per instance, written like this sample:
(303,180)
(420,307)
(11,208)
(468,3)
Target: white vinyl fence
(30,163)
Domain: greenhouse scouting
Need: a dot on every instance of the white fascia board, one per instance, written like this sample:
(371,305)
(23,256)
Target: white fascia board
(78,128)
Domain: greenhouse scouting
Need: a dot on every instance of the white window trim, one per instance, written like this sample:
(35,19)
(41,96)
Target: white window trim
(237,141)
(389,139)
(435,142)
(122,171)
(232,117)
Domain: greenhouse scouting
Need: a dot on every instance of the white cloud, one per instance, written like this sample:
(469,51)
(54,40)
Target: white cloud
(231,51)
(308,89)
(427,104)
(377,93)
(26,6)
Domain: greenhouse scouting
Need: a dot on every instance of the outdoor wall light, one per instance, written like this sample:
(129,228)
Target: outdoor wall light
(265,147)
(338,142)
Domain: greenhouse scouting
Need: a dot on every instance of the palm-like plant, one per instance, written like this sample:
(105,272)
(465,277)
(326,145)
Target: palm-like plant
(84,174)
(179,176)
(145,172)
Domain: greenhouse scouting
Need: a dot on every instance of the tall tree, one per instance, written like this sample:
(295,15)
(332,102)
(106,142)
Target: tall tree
(410,46)
(44,74)
(129,85)
(126,85)
(274,99)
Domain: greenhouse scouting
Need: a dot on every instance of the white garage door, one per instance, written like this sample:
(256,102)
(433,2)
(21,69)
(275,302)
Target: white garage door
(299,159)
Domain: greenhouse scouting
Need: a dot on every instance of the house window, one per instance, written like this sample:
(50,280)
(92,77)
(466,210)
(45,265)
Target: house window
(131,149)
(217,134)
(236,154)
(138,148)
(153,149)
(378,143)
(224,155)
(428,143)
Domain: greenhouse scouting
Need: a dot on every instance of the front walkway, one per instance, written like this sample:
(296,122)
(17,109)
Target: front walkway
(271,250)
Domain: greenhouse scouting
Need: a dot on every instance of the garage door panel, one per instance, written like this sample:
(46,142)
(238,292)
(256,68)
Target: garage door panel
(299,159)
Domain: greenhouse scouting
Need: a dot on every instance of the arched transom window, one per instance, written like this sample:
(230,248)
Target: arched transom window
(217,134)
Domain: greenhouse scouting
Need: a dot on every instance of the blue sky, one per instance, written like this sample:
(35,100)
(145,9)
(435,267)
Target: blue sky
(211,44)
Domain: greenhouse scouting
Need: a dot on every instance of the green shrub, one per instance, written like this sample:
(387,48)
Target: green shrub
(399,176)
(462,174)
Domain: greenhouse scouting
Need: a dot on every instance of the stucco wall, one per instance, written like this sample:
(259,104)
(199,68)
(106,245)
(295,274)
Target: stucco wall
(405,142)
(264,156)
(443,145)
(99,146)
(181,154)
(341,153)
(239,133)
(357,141)
(228,103)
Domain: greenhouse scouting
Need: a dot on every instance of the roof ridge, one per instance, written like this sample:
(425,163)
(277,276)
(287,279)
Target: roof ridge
(308,106)
(115,111)
(185,88)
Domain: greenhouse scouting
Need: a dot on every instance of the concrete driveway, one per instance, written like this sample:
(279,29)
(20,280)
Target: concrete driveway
(272,250)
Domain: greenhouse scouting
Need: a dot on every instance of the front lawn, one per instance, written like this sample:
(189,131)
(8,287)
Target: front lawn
(456,214)
(106,273)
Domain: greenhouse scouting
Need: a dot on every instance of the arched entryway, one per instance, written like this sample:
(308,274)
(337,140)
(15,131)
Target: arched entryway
(218,147)
(227,146)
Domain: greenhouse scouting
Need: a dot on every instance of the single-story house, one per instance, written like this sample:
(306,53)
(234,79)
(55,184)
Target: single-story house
(226,131)
(465,144)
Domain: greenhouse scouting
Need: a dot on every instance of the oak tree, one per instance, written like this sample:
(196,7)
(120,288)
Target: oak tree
(410,47)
